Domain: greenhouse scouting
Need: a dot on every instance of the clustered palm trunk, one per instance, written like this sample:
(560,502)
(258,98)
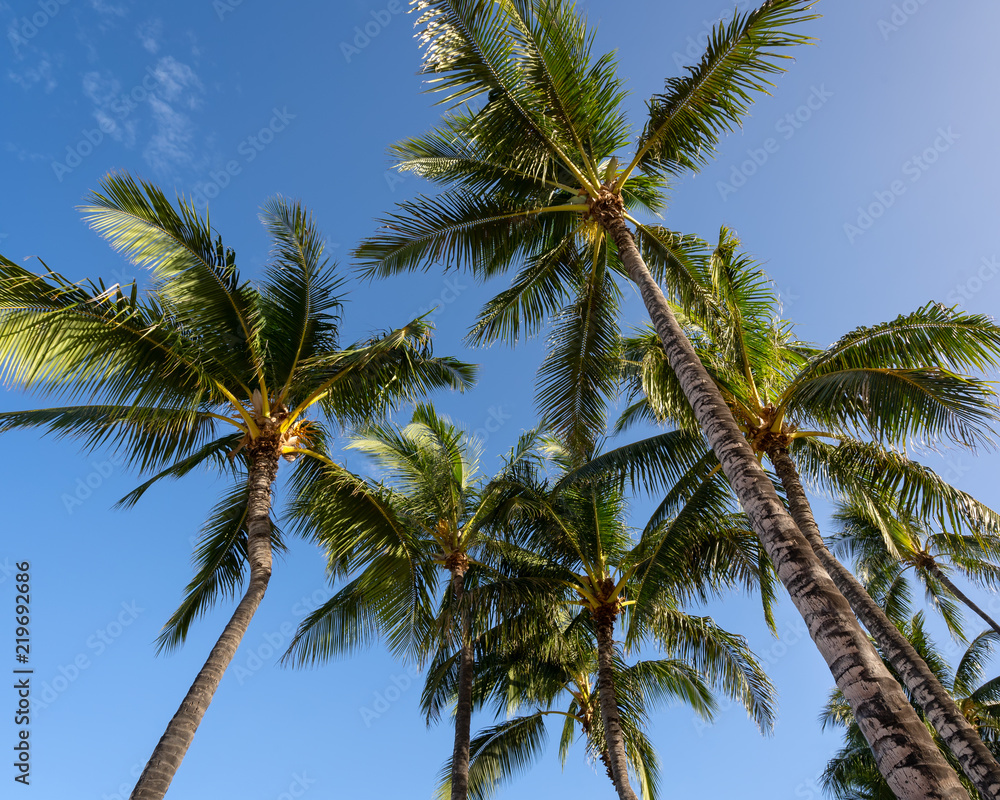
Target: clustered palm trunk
(173,745)
(903,748)
(850,773)
(958,734)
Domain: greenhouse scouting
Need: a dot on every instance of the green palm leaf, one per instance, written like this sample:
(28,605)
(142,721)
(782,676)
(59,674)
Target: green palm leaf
(195,275)
(220,557)
(685,121)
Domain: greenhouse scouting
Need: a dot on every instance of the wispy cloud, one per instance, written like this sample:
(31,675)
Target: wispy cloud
(39,74)
(178,90)
(149,33)
(170,146)
(109,9)
(154,111)
(104,90)
(21,154)
(178,82)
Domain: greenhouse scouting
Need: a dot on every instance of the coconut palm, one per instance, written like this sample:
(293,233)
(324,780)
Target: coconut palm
(431,518)
(883,560)
(553,672)
(568,532)
(851,773)
(893,382)
(204,368)
(529,151)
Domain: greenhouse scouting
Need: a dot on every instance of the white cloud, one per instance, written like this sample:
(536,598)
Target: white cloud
(178,89)
(170,146)
(178,82)
(21,154)
(104,90)
(109,9)
(28,77)
(153,111)
(149,34)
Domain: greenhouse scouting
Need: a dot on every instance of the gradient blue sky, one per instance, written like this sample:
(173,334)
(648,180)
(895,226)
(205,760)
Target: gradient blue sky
(885,82)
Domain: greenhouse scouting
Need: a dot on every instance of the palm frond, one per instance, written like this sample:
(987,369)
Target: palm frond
(686,120)
(195,275)
(220,556)
(300,304)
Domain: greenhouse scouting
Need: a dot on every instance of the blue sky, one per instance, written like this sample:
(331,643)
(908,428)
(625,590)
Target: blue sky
(866,183)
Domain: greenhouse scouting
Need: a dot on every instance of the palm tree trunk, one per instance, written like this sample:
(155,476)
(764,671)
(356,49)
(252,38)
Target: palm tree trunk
(604,625)
(945,581)
(169,752)
(955,730)
(463,708)
(904,751)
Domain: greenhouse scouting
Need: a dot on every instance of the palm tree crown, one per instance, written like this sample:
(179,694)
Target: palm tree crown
(204,368)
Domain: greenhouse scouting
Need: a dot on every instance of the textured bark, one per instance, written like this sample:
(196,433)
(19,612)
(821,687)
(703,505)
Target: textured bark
(169,752)
(942,712)
(904,751)
(463,708)
(604,624)
(936,571)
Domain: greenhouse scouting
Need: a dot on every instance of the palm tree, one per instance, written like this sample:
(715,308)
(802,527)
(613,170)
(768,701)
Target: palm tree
(885,545)
(432,517)
(896,381)
(568,532)
(851,773)
(530,150)
(205,368)
(553,671)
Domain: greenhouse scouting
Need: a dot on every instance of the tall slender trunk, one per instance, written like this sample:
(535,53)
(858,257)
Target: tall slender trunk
(904,751)
(169,752)
(955,730)
(463,708)
(604,626)
(945,581)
